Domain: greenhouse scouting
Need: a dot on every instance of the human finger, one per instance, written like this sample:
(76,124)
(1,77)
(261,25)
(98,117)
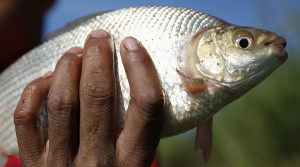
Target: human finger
(97,99)
(143,123)
(28,128)
(62,107)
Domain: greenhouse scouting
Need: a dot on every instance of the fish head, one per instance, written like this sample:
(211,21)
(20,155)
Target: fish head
(237,58)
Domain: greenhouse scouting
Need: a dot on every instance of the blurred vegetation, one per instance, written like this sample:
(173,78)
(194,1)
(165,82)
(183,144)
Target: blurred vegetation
(260,129)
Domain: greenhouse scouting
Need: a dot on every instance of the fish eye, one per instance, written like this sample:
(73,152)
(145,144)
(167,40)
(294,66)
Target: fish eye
(243,40)
(244,43)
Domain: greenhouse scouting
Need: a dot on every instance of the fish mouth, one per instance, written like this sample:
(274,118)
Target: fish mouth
(278,45)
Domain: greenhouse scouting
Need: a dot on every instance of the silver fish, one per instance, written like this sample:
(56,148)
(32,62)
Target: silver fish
(204,63)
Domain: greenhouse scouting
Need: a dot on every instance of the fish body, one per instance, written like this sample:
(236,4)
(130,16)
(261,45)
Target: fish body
(203,62)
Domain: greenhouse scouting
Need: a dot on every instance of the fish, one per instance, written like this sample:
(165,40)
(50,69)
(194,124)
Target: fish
(203,62)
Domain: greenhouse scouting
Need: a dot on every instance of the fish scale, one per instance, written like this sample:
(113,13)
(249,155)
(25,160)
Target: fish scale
(164,31)
(165,25)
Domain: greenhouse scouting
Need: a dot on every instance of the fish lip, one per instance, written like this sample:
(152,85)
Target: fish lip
(282,58)
(279,43)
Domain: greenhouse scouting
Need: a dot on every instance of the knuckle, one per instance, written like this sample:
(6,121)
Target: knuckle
(31,160)
(23,116)
(149,100)
(96,160)
(135,155)
(149,96)
(24,112)
(61,101)
(97,93)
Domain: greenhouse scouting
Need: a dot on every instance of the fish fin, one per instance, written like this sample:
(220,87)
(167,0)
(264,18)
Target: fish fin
(204,139)
(193,85)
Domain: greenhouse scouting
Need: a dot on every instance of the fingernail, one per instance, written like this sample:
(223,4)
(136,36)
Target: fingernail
(47,75)
(75,50)
(131,44)
(100,34)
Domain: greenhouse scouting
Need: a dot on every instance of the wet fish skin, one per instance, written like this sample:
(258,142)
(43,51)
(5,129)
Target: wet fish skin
(175,39)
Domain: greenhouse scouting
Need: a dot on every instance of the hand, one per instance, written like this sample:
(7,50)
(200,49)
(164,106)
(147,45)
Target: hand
(87,136)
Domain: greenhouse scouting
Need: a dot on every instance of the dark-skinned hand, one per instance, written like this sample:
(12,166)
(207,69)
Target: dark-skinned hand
(82,103)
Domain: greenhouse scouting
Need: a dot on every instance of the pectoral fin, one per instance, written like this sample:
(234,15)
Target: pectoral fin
(193,85)
(204,139)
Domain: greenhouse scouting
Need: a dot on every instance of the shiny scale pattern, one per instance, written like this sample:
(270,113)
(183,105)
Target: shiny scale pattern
(164,31)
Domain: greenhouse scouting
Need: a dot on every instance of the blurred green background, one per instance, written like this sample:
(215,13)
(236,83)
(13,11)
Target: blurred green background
(261,129)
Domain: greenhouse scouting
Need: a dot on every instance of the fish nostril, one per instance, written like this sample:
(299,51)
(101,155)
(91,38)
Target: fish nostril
(268,43)
(279,42)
